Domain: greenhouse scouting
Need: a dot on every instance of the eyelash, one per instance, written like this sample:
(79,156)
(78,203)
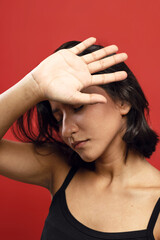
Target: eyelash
(75,109)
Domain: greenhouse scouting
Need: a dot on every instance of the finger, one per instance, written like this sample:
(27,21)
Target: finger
(83,45)
(108,78)
(85,98)
(106,62)
(96,55)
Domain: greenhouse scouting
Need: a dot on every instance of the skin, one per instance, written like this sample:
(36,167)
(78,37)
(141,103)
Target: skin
(104,125)
(114,180)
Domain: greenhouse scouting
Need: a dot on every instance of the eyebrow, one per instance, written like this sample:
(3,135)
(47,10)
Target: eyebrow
(57,109)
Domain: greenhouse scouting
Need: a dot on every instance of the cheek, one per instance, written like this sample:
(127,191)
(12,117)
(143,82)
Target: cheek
(112,123)
(102,123)
(103,118)
(104,130)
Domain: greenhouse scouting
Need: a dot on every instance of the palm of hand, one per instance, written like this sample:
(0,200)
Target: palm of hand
(63,75)
(71,76)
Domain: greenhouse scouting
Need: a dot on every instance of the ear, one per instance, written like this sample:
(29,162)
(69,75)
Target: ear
(124,107)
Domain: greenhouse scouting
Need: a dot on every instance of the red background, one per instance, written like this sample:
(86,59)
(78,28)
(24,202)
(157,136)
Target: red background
(30,31)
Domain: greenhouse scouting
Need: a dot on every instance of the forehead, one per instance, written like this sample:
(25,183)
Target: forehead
(91,89)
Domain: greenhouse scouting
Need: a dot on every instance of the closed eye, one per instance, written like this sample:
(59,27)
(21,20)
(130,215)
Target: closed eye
(75,109)
(78,108)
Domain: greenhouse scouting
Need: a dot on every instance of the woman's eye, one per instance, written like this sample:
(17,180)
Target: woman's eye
(78,108)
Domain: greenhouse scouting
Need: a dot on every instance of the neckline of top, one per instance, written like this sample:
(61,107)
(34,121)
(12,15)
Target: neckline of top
(100,234)
(103,235)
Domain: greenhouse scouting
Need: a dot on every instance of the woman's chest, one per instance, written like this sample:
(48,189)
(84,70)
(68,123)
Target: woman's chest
(119,211)
(106,212)
(113,210)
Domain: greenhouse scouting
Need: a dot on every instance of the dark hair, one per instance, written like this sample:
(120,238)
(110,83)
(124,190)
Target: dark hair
(138,136)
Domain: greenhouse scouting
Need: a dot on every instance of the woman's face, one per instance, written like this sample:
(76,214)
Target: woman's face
(98,126)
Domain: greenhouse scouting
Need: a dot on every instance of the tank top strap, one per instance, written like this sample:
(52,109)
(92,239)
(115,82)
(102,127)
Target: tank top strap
(69,176)
(154,216)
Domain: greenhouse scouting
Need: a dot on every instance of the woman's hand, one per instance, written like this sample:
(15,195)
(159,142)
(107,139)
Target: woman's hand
(63,75)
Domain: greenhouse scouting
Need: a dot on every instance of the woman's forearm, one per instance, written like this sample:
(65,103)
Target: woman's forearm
(16,101)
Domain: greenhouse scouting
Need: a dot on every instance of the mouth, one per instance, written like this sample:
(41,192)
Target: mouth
(79,144)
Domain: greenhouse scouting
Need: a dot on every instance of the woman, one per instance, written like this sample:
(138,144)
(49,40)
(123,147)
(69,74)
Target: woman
(93,138)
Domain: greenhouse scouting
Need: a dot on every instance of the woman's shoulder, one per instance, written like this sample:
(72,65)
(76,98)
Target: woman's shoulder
(150,180)
(153,174)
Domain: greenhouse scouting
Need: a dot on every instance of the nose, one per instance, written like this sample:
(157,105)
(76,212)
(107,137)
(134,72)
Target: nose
(69,127)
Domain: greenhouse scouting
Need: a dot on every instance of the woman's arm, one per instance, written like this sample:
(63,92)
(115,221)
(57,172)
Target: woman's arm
(16,101)
(19,161)
(60,77)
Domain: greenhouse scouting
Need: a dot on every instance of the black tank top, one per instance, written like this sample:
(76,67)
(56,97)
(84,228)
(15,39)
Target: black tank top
(60,223)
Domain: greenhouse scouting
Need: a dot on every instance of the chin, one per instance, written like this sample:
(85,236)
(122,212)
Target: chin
(88,157)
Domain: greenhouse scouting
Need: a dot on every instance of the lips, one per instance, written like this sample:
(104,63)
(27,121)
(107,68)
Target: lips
(76,143)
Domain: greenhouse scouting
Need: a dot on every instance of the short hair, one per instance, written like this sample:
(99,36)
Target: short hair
(138,137)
